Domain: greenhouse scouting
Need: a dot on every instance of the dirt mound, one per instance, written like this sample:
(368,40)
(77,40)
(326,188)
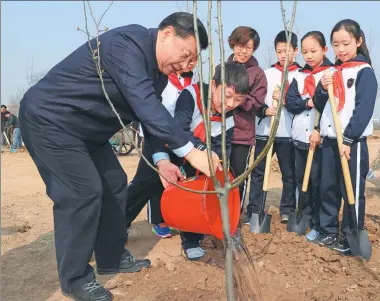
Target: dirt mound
(288,267)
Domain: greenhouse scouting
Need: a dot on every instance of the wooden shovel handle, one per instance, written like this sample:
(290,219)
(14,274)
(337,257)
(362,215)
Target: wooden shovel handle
(339,137)
(268,159)
(310,157)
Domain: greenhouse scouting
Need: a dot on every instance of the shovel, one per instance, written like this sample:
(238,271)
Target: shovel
(298,221)
(260,222)
(358,239)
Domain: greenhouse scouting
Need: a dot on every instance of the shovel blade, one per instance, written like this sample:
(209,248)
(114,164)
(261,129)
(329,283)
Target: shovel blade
(360,244)
(260,225)
(298,222)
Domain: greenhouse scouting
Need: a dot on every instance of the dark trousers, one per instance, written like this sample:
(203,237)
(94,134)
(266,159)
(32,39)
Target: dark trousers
(145,187)
(285,155)
(239,161)
(312,199)
(189,239)
(333,188)
(89,189)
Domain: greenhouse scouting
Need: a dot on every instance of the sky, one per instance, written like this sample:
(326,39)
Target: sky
(42,33)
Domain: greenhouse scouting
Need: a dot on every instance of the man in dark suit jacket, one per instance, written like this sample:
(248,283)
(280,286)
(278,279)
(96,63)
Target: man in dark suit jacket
(66,123)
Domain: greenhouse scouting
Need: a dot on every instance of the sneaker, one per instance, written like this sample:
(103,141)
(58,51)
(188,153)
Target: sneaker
(284,218)
(246,218)
(128,264)
(341,246)
(91,291)
(13,150)
(162,230)
(326,239)
(174,230)
(194,254)
(312,235)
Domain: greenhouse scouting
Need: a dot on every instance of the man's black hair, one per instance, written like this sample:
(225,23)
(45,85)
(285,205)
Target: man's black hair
(183,24)
(236,76)
(3,106)
(281,38)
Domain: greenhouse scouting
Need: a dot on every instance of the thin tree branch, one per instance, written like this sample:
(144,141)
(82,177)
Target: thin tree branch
(205,111)
(273,131)
(101,18)
(223,82)
(96,57)
(223,199)
(79,29)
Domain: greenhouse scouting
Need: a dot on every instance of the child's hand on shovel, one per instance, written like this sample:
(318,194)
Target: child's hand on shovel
(345,151)
(315,139)
(326,79)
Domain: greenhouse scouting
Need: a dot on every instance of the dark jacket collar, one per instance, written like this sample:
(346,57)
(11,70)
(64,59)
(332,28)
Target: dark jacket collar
(326,62)
(154,33)
(358,58)
(294,64)
(187,74)
(252,62)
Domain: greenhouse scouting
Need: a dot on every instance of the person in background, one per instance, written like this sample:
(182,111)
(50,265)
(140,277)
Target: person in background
(244,41)
(299,102)
(12,123)
(3,120)
(282,146)
(136,133)
(355,87)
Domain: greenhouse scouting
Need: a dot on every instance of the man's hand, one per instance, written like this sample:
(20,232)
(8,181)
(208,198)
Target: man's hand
(198,159)
(169,171)
(345,151)
(315,139)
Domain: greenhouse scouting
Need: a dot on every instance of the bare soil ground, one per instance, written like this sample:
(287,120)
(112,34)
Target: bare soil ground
(288,267)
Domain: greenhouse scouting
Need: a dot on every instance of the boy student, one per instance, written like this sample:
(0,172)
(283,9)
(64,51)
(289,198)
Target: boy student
(283,146)
(145,176)
(188,116)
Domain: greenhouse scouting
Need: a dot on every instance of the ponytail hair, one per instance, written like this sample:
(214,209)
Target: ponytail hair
(363,49)
(354,29)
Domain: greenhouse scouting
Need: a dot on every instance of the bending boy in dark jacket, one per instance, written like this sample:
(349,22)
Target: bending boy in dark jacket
(188,116)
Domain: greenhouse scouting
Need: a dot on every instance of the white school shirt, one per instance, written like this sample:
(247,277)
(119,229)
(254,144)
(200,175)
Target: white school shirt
(170,96)
(327,122)
(284,129)
(303,123)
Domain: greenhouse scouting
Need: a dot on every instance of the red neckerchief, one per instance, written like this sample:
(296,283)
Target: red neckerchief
(173,78)
(200,130)
(338,84)
(309,83)
(293,67)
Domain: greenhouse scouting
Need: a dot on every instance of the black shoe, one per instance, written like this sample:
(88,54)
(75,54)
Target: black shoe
(91,291)
(284,218)
(246,218)
(128,264)
(326,239)
(340,245)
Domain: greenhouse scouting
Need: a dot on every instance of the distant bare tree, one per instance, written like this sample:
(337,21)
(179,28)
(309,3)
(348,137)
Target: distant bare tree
(269,55)
(32,78)
(370,41)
